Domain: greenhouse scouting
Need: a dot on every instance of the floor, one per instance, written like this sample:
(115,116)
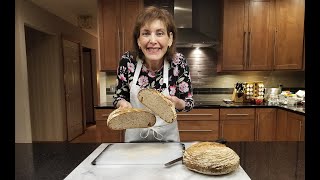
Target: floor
(88,137)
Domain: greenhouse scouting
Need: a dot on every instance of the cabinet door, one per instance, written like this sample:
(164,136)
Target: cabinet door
(103,133)
(234,35)
(289,34)
(199,125)
(109,32)
(260,35)
(281,129)
(129,12)
(295,127)
(290,126)
(265,124)
(237,130)
(116,23)
(237,124)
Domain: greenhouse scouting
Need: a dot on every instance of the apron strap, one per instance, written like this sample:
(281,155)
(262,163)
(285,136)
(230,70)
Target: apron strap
(137,71)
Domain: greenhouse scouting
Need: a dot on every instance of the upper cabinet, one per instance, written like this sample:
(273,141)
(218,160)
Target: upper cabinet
(247,35)
(289,34)
(262,35)
(116,22)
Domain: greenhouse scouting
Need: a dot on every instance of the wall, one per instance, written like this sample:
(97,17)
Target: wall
(26,13)
(206,79)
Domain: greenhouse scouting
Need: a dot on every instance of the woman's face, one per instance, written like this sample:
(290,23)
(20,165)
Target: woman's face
(154,40)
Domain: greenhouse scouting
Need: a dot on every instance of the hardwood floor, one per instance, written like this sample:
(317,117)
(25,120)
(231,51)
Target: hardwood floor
(88,137)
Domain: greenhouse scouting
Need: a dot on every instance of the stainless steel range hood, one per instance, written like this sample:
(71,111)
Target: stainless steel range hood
(188,36)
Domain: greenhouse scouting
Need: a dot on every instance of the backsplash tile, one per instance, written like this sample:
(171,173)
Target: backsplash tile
(212,85)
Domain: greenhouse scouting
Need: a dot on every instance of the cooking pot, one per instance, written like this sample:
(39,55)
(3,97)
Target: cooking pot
(271,92)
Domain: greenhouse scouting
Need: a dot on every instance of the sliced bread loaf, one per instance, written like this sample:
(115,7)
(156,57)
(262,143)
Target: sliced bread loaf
(211,158)
(158,103)
(127,118)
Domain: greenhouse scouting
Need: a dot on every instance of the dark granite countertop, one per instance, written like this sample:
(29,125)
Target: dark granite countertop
(260,160)
(221,104)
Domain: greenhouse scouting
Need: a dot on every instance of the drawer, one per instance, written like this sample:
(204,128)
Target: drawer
(199,114)
(102,114)
(237,113)
(198,130)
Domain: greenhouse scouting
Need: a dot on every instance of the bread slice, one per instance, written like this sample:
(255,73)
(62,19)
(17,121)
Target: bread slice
(211,158)
(127,118)
(158,103)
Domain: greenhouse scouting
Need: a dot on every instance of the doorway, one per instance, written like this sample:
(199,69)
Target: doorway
(45,86)
(89,79)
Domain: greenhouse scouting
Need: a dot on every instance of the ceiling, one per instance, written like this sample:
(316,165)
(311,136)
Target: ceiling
(70,10)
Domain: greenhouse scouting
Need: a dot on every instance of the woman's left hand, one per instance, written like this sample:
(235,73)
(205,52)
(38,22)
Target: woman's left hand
(179,103)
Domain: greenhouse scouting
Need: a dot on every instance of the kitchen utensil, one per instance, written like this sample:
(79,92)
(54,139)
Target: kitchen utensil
(222,141)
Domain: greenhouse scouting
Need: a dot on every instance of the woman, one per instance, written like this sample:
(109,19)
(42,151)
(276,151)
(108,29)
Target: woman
(155,65)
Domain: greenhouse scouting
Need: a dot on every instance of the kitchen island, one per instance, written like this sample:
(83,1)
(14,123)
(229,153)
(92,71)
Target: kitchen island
(260,160)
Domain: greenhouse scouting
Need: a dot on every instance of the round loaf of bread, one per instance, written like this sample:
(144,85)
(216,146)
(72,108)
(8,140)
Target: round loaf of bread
(158,103)
(211,158)
(127,118)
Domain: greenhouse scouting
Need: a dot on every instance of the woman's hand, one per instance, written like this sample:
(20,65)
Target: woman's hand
(178,103)
(123,104)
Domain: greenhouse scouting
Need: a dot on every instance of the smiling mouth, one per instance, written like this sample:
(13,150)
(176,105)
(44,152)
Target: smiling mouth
(153,50)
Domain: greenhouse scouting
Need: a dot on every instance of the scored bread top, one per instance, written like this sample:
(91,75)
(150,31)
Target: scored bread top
(211,158)
(158,103)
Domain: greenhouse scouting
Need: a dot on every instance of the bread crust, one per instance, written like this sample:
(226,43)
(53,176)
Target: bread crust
(211,158)
(127,118)
(158,103)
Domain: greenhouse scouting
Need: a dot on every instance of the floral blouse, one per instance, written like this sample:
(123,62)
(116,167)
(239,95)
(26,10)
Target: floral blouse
(179,79)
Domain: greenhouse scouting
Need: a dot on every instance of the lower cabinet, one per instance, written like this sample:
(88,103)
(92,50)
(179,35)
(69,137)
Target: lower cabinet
(237,124)
(290,126)
(103,133)
(198,125)
(265,124)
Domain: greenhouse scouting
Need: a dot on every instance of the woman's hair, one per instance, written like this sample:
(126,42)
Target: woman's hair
(150,14)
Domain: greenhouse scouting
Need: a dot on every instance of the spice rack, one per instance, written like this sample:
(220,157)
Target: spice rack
(253,90)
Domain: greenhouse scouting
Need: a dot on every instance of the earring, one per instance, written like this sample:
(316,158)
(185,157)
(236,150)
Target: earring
(139,47)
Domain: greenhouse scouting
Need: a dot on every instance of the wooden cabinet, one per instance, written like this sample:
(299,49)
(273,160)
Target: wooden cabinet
(103,133)
(116,22)
(247,42)
(265,124)
(290,126)
(199,125)
(237,124)
(262,35)
(289,34)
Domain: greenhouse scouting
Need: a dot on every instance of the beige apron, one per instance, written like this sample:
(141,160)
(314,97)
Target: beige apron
(161,131)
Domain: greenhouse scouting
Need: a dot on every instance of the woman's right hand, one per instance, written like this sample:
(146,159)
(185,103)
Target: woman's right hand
(123,104)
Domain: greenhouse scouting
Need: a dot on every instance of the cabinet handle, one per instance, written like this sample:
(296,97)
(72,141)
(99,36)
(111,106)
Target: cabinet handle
(245,50)
(300,128)
(195,130)
(119,43)
(249,49)
(221,130)
(105,115)
(257,129)
(194,114)
(274,46)
(122,35)
(237,114)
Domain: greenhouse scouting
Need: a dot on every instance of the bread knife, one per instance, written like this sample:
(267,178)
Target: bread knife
(173,161)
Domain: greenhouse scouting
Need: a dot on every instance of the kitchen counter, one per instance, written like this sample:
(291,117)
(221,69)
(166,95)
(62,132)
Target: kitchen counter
(221,104)
(260,160)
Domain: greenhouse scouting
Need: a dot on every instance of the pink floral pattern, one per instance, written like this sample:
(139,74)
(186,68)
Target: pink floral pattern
(179,79)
